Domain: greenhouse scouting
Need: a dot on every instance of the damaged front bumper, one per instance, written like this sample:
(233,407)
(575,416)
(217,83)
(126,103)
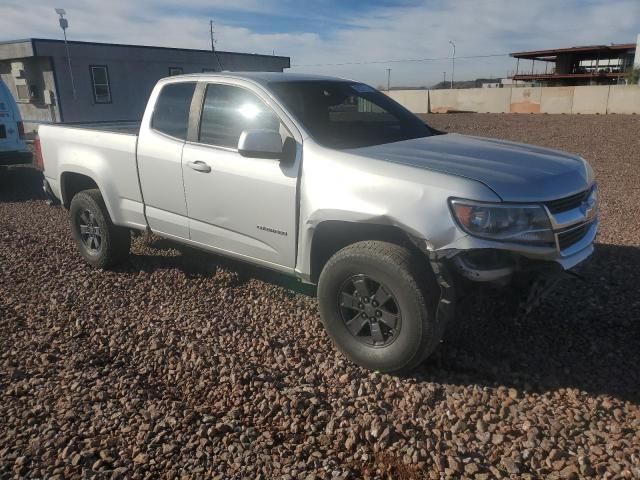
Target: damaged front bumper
(482,260)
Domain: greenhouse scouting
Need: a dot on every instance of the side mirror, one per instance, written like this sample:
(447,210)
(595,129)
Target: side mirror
(260,144)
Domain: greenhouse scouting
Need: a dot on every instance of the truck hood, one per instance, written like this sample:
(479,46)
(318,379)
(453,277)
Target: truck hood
(515,172)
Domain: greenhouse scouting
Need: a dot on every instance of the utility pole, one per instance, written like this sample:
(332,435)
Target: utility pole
(453,61)
(213,44)
(388,79)
(444,79)
(64,24)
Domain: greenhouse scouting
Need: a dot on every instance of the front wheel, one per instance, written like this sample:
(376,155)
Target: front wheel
(101,243)
(378,304)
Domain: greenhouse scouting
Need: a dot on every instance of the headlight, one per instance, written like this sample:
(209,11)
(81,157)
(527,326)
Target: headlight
(504,222)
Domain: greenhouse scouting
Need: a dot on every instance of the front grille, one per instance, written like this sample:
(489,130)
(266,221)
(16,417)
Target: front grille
(566,203)
(571,237)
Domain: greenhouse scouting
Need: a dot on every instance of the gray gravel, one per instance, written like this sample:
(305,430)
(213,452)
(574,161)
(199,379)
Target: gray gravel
(180,364)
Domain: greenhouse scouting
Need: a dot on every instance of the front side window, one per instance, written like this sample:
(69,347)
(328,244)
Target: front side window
(229,110)
(342,114)
(100,84)
(171,111)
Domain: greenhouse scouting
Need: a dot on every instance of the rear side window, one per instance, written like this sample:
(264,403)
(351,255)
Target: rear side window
(229,110)
(171,112)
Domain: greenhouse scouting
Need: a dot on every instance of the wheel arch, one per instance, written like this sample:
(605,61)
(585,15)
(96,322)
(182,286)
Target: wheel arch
(72,183)
(330,236)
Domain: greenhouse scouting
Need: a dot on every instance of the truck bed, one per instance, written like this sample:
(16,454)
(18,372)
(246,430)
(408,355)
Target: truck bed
(123,127)
(105,153)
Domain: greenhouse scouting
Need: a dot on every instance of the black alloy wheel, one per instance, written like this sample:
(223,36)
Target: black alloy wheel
(370,311)
(89,231)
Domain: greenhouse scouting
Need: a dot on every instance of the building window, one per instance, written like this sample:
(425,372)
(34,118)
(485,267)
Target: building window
(27,92)
(23,92)
(100,84)
(175,71)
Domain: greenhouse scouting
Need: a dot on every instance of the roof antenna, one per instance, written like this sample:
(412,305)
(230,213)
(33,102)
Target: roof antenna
(213,45)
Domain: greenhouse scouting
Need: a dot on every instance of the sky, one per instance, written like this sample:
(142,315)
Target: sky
(354,39)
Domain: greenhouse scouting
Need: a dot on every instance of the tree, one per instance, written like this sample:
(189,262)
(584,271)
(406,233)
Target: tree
(632,76)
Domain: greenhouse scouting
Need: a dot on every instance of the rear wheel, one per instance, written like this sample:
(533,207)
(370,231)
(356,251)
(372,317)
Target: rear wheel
(101,243)
(378,302)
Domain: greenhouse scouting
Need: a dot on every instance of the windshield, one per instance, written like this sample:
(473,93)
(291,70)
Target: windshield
(347,114)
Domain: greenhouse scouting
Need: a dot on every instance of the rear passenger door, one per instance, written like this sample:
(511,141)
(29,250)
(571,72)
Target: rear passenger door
(159,156)
(240,205)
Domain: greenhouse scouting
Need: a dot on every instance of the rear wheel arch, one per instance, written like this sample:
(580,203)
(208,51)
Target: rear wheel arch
(72,183)
(331,236)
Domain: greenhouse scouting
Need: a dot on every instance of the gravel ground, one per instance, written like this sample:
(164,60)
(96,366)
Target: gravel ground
(184,365)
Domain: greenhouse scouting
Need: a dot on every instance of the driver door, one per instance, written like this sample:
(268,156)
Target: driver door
(239,205)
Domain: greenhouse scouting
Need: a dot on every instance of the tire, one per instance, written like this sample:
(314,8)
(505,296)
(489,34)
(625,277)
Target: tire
(406,278)
(101,243)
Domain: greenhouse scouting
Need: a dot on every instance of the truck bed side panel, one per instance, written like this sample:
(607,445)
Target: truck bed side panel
(109,159)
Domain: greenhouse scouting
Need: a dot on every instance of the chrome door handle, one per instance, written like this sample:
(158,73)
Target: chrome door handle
(199,166)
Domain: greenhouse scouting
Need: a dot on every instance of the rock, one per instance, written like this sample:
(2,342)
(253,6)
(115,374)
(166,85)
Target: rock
(554,455)
(167,448)
(511,466)
(141,458)
(119,473)
(350,442)
(454,465)
(67,451)
(570,472)
(470,468)
(329,429)
(481,426)
(585,466)
(459,427)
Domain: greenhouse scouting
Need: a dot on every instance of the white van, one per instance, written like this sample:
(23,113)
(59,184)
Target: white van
(13,150)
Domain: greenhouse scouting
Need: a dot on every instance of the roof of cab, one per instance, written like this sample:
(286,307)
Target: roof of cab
(263,77)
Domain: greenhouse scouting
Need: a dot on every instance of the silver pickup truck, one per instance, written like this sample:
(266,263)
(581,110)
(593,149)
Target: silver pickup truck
(333,182)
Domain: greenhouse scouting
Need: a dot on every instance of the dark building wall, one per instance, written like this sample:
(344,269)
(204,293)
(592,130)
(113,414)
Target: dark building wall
(563,63)
(132,71)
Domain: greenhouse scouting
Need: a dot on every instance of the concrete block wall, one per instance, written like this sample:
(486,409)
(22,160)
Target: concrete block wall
(415,100)
(525,100)
(622,99)
(591,99)
(556,100)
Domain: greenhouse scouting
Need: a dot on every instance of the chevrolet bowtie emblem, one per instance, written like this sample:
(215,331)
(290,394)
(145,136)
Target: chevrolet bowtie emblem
(588,207)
